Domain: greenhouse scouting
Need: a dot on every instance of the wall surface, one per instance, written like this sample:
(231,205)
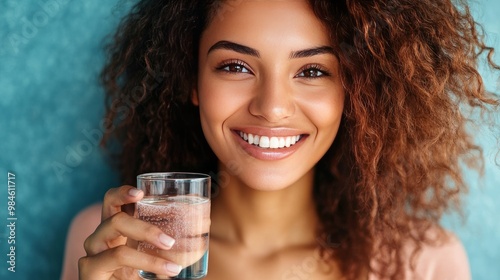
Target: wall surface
(50,107)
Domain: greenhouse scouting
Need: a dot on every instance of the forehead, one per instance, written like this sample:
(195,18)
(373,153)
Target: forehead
(245,21)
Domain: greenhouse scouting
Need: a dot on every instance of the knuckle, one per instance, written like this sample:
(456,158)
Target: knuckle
(87,244)
(117,219)
(83,263)
(109,194)
(112,193)
(119,253)
(90,246)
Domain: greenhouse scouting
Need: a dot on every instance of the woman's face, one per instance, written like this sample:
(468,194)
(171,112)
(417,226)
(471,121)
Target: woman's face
(269,91)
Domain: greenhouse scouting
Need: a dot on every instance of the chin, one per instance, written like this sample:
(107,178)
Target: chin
(272,180)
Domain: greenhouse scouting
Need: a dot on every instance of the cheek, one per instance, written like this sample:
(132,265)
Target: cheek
(324,110)
(220,99)
(210,100)
(214,104)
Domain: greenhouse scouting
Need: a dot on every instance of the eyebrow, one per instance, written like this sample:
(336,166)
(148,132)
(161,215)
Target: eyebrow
(227,45)
(312,52)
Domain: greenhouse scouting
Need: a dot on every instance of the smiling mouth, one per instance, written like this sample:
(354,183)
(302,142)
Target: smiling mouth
(270,142)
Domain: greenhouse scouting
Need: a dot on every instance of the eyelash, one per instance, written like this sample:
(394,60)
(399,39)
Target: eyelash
(239,63)
(233,63)
(313,67)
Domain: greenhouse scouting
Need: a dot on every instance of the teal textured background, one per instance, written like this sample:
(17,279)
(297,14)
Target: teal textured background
(50,107)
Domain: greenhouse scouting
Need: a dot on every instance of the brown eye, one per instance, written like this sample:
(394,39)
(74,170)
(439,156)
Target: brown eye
(234,67)
(312,72)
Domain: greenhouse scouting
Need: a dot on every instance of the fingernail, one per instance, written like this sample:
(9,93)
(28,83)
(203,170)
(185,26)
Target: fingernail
(173,268)
(134,192)
(166,240)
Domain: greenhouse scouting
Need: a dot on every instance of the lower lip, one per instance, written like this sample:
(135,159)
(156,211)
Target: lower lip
(268,154)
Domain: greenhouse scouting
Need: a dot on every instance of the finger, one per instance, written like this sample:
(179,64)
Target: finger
(123,225)
(116,197)
(103,265)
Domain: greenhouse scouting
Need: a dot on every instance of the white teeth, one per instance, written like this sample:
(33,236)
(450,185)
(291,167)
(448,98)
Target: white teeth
(264,142)
(274,143)
(270,142)
(245,136)
(282,142)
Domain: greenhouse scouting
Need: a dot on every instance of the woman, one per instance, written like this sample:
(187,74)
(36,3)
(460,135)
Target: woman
(334,131)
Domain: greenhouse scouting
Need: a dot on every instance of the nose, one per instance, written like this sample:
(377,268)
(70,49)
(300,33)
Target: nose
(273,100)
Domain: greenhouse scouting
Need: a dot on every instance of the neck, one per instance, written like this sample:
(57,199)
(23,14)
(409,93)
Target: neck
(269,220)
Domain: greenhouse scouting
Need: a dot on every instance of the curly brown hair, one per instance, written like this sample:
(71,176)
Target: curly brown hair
(409,72)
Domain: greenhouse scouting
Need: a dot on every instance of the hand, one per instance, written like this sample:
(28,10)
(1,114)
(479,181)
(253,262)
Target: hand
(109,257)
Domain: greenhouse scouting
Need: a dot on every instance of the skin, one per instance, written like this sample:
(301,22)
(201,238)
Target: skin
(271,99)
(284,82)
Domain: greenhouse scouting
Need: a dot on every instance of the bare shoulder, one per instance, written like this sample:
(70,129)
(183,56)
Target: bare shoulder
(89,215)
(83,225)
(445,260)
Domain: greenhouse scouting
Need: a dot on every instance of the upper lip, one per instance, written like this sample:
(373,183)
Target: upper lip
(275,131)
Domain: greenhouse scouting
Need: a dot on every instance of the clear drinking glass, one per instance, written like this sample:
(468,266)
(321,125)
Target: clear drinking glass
(178,203)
